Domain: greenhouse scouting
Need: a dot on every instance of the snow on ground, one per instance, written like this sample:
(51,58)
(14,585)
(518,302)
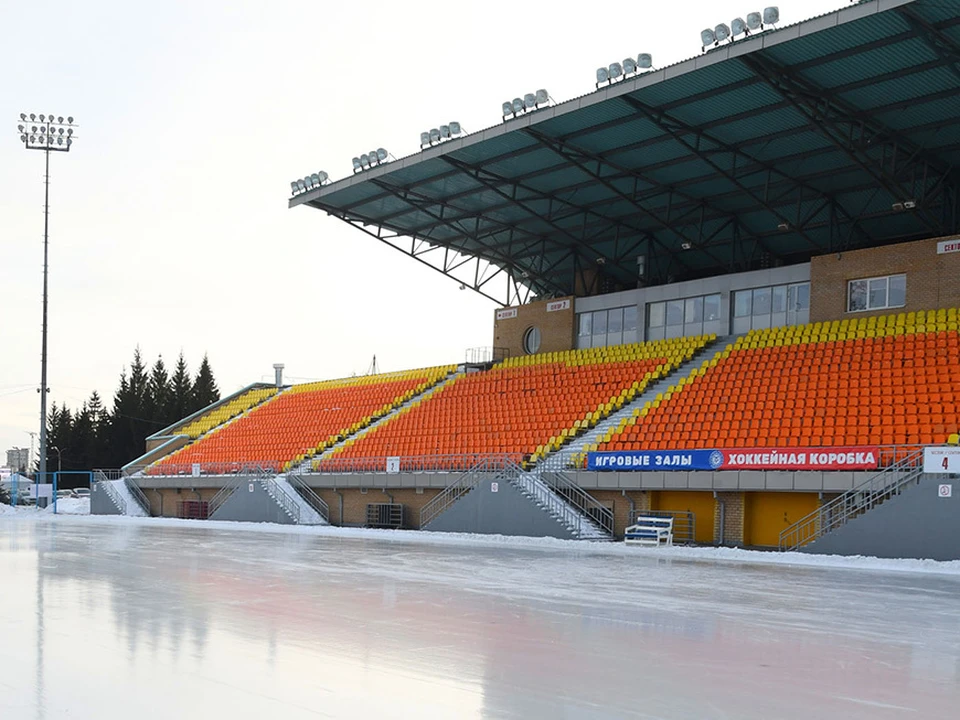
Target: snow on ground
(618,549)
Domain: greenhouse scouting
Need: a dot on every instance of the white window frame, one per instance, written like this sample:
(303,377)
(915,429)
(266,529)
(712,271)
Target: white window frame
(868,280)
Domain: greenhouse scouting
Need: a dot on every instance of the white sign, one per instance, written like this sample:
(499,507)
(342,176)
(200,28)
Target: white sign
(948,246)
(44,490)
(250,486)
(196,469)
(941,460)
(506,314)
(393,465)
(557,305)
(945,491)
(494,487)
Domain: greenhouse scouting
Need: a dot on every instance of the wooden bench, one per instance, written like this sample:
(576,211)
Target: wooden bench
(650,531)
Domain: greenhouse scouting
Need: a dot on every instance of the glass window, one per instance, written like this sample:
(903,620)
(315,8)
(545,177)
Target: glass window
(711,307)
(802,296)
(615,320)
(878,293)
(675,312)
(630,318)
(585,324)
(657,314)
(779,303)
(857,296)
(761,301)
(897,296)
(531,340)
(742,303)
(693,310)
(600,322)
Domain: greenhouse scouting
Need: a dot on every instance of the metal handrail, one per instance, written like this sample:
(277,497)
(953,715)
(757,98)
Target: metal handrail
(106,484)
(414,464)
(580,499)
(137,494)
(463,484)
(309,496)
(243,474)
(207,468)
(865,496)
(540,492)
(282,497)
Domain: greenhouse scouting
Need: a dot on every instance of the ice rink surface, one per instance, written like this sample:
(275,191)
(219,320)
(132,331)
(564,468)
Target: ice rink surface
(138,619)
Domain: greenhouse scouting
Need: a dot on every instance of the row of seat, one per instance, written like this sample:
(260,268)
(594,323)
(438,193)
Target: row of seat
(226,411)
(555,396)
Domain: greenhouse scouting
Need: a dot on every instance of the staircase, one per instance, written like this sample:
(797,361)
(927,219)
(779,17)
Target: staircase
(888,483)
(285,492)
(124,493)
(564,458)
(562,500)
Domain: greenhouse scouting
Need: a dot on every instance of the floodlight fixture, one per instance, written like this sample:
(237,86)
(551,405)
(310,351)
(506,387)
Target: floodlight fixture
(507,109)
(315,179)
(754,21)
(434,136)
(382,154)
(644,61)
(708,37)
(294,188)
(542,96)
(424,139)
(517,106)
(629,66)
(23,116)
(445,132)
(373,158)
(308,182)
(364,160)
(771,15)
(323,177)
(529,101)
(722,32)
(602,76)
(301,185)
(455,128)
(615,70)
(738,27)
(356,164)
(32,117)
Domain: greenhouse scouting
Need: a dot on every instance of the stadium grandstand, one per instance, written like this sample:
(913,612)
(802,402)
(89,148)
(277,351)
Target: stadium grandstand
(727,295)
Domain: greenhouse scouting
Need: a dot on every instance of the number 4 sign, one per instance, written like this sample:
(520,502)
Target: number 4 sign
(941,460)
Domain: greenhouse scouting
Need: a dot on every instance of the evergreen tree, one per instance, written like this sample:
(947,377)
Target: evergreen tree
(59,436)
(98,451)
(181,390)
(128,422)
(82,441)
(205,390)
(159,393)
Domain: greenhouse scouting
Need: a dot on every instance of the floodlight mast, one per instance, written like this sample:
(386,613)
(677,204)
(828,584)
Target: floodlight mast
(50,134)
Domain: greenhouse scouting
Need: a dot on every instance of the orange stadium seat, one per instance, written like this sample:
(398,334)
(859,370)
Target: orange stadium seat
(296,423)
(871,381)
(524,407)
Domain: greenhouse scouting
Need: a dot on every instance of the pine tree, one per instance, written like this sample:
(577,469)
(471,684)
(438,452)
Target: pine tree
(97,451)
(159,393)
(59,437)
(205,390)
(82,440)
(181,390)
(128,422)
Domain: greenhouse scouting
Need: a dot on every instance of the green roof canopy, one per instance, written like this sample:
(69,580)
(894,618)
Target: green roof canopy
(839,132)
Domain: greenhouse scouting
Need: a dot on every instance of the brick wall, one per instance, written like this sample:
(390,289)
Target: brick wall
(355,503)
(933,281)
(733,503)
(556,326)
(619,503)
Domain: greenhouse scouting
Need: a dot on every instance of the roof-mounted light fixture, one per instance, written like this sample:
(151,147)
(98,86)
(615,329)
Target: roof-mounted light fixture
(310,182)
(442,133)
(617,71)
(370,159)
(528,103)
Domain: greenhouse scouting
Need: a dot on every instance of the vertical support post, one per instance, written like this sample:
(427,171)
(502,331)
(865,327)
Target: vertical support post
(43,342)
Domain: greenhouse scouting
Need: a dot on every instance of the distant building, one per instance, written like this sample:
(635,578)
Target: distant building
(18,459)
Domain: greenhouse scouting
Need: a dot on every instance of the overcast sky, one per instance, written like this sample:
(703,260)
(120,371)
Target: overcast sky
(169,227)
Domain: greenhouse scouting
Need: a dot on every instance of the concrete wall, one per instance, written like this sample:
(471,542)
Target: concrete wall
(348,506)
(251,503)
(917,523)
(933,281)
(496,507)
(554,319)
(100,502)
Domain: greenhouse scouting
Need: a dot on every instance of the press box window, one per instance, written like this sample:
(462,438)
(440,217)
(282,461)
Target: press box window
(877,293)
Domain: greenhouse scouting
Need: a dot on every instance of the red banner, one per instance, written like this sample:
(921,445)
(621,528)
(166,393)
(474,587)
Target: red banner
(830,458)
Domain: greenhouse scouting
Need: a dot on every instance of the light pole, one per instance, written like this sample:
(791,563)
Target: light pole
(49,134)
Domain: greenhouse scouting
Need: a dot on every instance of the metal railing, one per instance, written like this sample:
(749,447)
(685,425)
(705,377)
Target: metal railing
(466,482)
(137,494)
(104,483)
(207,468)
(582,501)
(244,474)
(282,497)
(309,496)
(415,464)
(903,470)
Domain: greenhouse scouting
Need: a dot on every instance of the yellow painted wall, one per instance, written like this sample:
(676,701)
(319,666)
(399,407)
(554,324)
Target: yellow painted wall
(768,513)
(699,503)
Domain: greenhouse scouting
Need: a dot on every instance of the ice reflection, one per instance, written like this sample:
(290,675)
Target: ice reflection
(174,621)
